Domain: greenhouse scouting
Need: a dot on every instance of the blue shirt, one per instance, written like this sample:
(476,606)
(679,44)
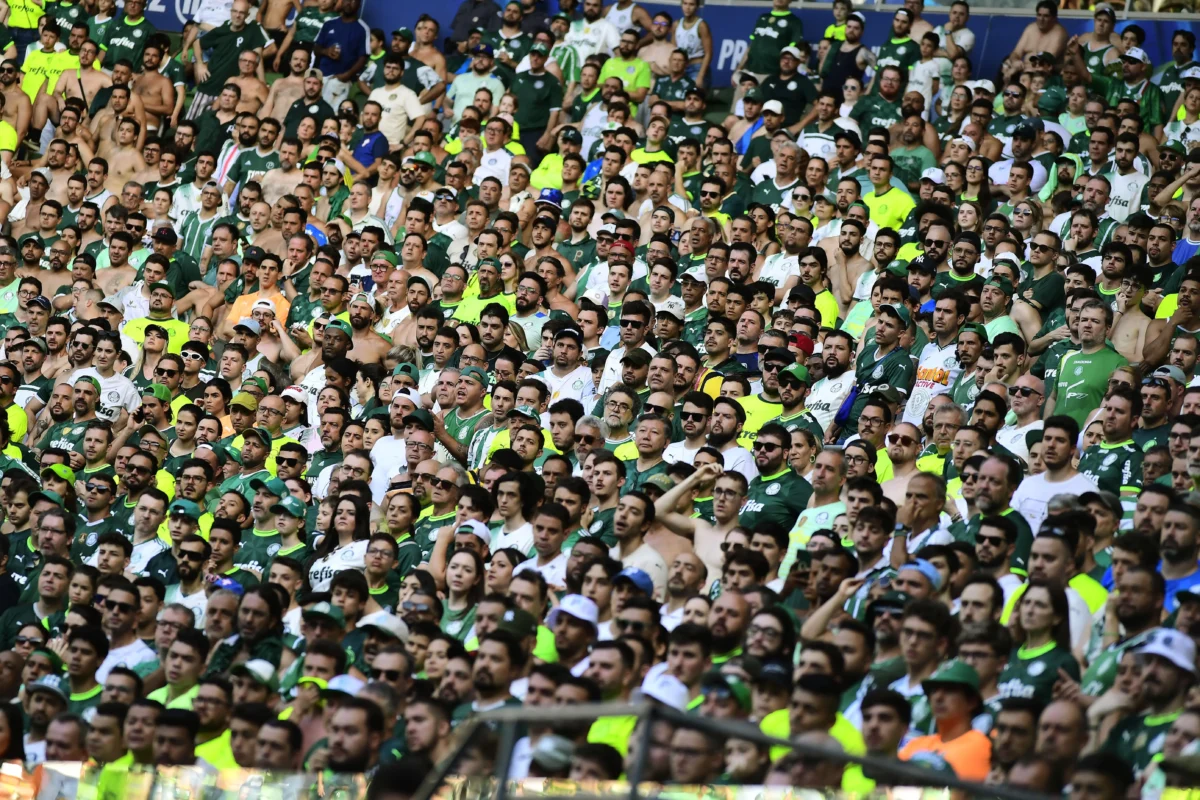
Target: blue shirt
(371,148)
(1184,249)
(1178,585)
(350,36)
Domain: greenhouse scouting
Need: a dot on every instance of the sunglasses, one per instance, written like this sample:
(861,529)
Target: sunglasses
(766,447)
(190,355)
(166,373)
(27,639)
(97,487)
(117,605)
(632,323)
(1043,248)
(386,675)
(1023,391)
(995,541)
(409,605)
(708,194)
(286,462)
(693,416)
(631,625)
(901,439)
(442,483)
(936,243)
(587,439)
(650,408)
(190,555)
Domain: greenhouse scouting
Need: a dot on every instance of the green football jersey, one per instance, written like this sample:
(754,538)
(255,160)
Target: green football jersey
(1113,467)
(1033,672)
(1102,671)
(778,498)
(256,550)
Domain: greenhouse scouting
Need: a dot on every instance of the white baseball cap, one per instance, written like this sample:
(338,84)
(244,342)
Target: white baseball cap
(1137,54)
(293,393)
(476,529)
(666,689)
(388,623)
(577,606)
(933,174)
(1172,645)
(346,684)
(773,106)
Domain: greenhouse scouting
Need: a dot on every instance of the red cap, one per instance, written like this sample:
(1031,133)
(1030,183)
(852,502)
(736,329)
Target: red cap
(621,244)
(802,343)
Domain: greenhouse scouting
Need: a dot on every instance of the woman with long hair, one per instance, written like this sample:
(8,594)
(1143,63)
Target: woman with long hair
(977,187)
(949,124)
(464,589)
(153,348)
(1027,221)
(500,569)
(345,545)
(764,229)
(970,217)
(1042,629)
(954,175)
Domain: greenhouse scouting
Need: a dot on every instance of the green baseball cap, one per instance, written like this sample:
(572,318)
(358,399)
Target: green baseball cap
(952,673)
(291,506)
(797,371)
(60,470)
(159,391)
(424,158)
(271,485)
(403,33)
(518,622)
(977,329)
(185,508)
(1001,282)
(1175,146)
(88,379)
(753,96)
(263,434)
(420,417)
(386,255)
(50,497)
(719,683)
(255,381)
(339,325)
(260,671)
(898,311)
(409,369)
(166,287)
(540,48)
(326,611)
(526,411)
(475,374)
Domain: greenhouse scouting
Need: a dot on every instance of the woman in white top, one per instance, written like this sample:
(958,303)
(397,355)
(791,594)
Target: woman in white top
(692,36)
(345,546)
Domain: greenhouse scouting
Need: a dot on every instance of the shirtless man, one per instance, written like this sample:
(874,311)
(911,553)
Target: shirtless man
(1044,35)
(58,160)
(1129,330)
(273,19)
(425,50)
(286,91)
(38,186)
(124,160)
(131,106)
(17,111)
(84,82)
(119,274)
(59,274)
(155,90)
(254,91)
(151,152)
(283,179)
(366,346)
(106,119)
(846,264)
(71,132)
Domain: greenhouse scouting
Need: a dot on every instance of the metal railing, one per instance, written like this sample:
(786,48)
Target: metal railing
(508,720)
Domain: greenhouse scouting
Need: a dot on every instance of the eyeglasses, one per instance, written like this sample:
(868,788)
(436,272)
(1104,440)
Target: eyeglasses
(622,407)
(632,323)
(766,633)
(1023,391)
(117,605)
(901,439)
(442,483)
(766,447)
(856,459)
(190,555)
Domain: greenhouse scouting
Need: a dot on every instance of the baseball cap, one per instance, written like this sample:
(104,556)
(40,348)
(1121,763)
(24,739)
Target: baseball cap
(294,393)
(577,606)
(753,96)
(529,412)
(1136,54)
(344,684)
(165,235)
(39,342)
(258,670)
(326,611)
(1172,645)
(1172,372)
(185,508)
(720,684)
(387,623)
(797,371)
(927,569)
(271,485)
(891,601)
(158,391)
(250,324)
(477,529)
(61,471)
(339,325)
(54,684)
(774,106)
(264,435)
(518,622)
(952,673)
(244,400)
(407,368)
(420,417)
(666,689)
(483,50)
(1106,499)
(639,578)
(291,506)
(551,196)
(776,671)
(899,312)
(166,287)
(476,374)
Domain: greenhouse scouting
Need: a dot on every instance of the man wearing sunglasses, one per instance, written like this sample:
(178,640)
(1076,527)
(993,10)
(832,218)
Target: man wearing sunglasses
(776,494)
(120,622)
(1025,400)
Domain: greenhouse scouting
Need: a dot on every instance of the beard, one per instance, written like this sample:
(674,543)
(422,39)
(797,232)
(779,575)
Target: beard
(719,440)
